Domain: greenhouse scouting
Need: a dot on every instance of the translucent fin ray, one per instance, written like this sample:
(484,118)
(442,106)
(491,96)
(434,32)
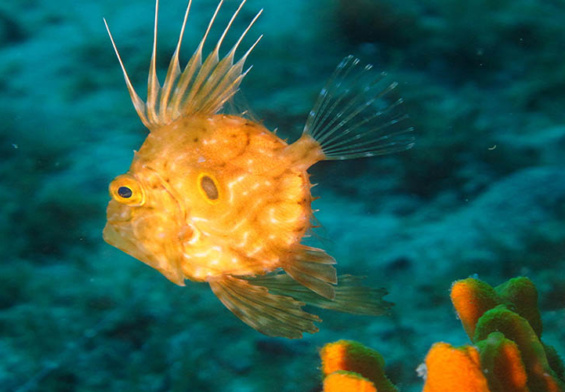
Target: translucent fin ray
(138,103)
(354,116)
(202,87)
(270,314)
(312,268)
(174,70)
(350,296)
(153,86)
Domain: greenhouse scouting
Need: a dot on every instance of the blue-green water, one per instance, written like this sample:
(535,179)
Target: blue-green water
(482,192)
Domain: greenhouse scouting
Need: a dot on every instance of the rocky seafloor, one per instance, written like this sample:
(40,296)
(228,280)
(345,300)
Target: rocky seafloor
(482,192)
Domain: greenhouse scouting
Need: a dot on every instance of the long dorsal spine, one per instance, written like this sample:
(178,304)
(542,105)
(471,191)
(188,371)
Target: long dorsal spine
(202,87)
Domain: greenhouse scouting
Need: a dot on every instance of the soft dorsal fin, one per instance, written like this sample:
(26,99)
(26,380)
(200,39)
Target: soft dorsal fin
(202,87)
(355,117)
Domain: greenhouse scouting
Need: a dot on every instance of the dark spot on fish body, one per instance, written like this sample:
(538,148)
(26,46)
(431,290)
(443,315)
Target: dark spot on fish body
(244,149)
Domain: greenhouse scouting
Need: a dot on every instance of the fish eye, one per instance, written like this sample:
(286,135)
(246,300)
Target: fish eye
(208,187)
(126,190)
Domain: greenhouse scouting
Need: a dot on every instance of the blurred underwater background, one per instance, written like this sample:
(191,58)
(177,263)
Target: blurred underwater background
(481,194)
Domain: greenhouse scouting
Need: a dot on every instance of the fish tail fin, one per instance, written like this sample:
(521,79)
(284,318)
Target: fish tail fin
(350,296)
(355,115)
(270,314)
(202,87)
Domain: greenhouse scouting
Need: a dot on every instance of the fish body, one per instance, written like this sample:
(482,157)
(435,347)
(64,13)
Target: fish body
(219,198)
(225,195)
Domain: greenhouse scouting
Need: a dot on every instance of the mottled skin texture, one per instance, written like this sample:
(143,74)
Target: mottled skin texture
(259,211)
(220,199)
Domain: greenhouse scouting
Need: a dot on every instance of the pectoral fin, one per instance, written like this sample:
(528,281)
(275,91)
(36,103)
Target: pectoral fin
(312,268)
(270,314)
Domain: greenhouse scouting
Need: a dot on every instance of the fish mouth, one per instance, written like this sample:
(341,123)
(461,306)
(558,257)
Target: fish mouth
(163,263)
(117,238)
(136,237)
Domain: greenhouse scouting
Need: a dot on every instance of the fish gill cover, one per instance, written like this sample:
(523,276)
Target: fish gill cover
(481,193)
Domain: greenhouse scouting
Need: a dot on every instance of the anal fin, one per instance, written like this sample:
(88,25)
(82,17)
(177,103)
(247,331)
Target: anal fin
(312,268)
(350,296)
(270,314)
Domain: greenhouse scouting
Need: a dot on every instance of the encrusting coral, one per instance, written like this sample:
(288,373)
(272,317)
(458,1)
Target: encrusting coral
(507,354)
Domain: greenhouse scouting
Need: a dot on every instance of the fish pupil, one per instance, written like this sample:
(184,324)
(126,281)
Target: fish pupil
(209,187)
(125,192)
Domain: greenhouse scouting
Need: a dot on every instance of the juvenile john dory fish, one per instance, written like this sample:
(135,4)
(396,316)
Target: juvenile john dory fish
(219,198)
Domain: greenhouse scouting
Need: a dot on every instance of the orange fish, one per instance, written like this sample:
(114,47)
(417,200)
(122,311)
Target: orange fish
(219,198)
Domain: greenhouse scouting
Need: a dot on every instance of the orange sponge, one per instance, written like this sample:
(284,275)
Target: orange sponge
(506,371)
(450,369)
(342,381)
(362,366)
(471,298)
(507,354)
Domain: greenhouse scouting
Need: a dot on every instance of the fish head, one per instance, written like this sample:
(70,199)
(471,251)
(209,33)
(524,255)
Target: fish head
(143,220)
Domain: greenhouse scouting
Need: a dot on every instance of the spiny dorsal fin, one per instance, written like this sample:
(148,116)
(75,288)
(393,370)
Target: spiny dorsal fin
(201,88)
(352,117)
